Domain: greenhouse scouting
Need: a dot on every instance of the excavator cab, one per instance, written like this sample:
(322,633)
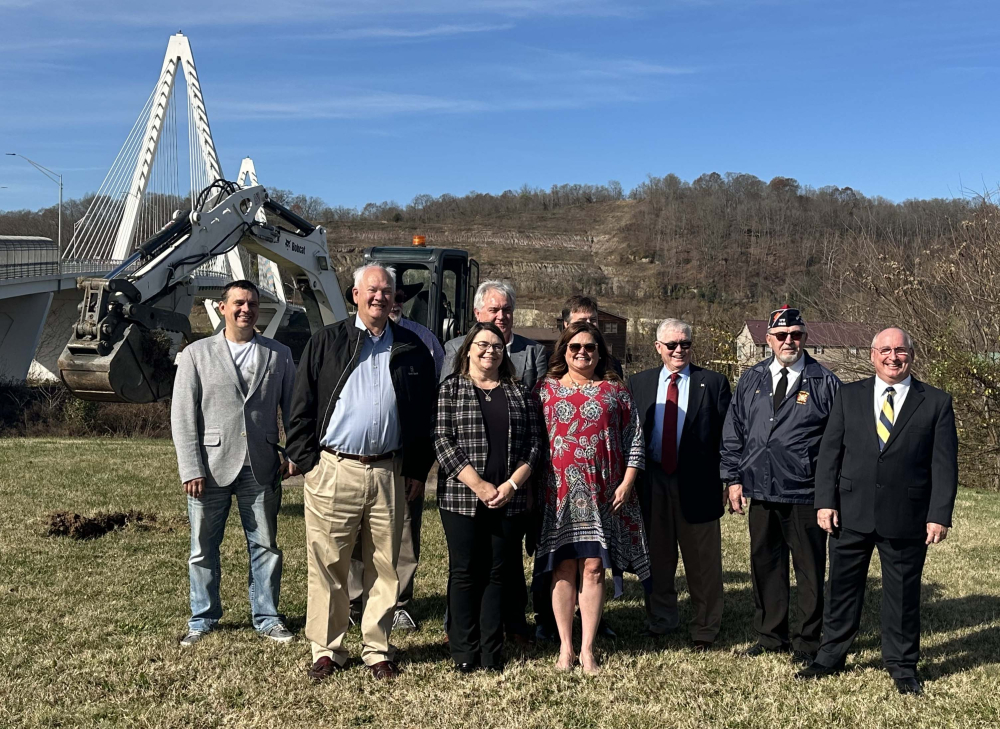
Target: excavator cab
(442,284)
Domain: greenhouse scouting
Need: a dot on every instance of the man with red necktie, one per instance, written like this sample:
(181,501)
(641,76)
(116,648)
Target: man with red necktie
(682,408)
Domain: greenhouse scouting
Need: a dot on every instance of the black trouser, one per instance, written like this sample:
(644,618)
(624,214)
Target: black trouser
(902,565)
(541,602)
(482,552)
(777,530)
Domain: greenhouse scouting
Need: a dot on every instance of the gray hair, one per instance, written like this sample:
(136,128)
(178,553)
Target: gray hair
(359,273)
(500,286)
(906,336)
(668,324)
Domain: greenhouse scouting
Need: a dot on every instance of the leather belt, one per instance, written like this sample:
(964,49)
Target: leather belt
(363,459)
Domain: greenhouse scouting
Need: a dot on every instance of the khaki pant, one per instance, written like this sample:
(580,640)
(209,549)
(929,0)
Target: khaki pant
(701,548)
(346,501)
(406,565)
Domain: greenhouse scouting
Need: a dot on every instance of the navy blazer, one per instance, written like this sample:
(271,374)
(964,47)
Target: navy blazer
(699,482)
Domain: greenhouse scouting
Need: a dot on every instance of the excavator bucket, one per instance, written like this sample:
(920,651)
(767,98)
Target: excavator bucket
(137,369)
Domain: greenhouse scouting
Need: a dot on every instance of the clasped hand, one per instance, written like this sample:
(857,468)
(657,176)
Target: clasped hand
(496,497)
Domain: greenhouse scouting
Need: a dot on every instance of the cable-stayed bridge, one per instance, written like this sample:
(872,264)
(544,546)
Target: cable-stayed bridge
(167,159)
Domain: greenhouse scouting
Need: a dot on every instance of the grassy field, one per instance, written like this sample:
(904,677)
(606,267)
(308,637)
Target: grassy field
(90,629)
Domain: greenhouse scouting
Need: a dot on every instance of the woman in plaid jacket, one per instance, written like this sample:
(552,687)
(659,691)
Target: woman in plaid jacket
(488,438)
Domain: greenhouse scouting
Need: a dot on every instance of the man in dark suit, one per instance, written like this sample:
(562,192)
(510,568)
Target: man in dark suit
(494,302)
(886,478)
(683,408)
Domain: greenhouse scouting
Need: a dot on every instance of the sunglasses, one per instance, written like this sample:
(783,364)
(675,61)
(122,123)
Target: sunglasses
(782,336)
(575,347)
(685,344)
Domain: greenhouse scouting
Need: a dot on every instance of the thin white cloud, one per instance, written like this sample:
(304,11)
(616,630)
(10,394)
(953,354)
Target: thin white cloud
(389,33)
(347,106)
(263,12)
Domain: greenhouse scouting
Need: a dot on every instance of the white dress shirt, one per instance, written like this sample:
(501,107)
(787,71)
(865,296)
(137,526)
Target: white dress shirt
(897,399)
(794,371)
(683,390)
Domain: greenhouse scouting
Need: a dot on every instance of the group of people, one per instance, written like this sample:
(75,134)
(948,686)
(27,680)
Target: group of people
(561,456)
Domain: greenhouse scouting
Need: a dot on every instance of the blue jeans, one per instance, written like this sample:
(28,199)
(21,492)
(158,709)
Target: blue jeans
(258,504)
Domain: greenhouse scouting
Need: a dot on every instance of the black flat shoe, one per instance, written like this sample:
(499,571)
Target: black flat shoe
(909,686)
(803,659)
(758,650)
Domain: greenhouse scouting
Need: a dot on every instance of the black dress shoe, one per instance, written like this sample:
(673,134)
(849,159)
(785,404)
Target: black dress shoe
(803,659)
(494,668)
(818,670)
(466,667)
(909,686)
(758,650)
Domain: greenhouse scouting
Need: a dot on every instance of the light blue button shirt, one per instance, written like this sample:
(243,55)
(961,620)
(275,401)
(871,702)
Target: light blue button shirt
(683,389)
(365,420)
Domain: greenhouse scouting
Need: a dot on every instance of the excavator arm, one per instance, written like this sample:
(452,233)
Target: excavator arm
(133,320)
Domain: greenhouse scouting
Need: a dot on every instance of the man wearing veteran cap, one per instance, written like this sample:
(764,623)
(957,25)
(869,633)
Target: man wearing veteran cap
(770,442)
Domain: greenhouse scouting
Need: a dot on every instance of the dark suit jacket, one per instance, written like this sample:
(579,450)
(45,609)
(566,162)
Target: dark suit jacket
(698,456)
(529,357)
(911,482)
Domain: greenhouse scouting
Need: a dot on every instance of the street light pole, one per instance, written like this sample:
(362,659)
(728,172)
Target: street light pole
(55,177)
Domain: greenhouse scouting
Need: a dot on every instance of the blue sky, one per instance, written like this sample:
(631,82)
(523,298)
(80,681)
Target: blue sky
(368,101)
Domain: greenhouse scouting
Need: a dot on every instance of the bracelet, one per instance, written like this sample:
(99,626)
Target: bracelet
(513,483)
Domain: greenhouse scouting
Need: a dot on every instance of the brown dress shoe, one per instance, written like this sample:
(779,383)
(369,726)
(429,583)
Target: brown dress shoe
(702,646)
(324,668)
(384,669)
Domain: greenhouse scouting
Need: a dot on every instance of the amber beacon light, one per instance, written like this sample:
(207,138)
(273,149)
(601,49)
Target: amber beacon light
(420,240)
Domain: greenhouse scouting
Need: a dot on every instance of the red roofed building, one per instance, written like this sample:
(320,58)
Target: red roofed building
(841,346)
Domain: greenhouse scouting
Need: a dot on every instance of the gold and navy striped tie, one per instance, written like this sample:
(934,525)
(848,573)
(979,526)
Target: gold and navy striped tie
(885,418)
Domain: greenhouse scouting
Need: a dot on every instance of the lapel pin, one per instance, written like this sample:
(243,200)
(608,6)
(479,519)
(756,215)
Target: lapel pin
(802,398)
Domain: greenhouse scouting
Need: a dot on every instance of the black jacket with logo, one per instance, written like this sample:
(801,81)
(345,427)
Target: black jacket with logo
(773,452)
(328,361)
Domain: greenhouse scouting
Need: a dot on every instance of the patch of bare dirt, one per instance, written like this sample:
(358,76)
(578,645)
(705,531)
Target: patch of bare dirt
(77,526)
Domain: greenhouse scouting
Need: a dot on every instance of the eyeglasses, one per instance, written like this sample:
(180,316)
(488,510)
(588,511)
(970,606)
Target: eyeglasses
(483,346)
(575,347)
(901,352)
(782,336)
(684,344)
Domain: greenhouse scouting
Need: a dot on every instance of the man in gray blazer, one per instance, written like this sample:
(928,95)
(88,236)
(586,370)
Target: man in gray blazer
(494,302)
(224,423)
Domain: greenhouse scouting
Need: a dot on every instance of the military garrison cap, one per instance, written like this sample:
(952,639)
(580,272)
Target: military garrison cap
(785,317)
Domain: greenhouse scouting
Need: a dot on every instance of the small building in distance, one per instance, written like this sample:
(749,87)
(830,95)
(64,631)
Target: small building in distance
(843,347)
(615,331)
(613,327)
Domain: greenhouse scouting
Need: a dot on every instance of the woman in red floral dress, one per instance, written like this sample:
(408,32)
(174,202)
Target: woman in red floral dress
(591,519)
